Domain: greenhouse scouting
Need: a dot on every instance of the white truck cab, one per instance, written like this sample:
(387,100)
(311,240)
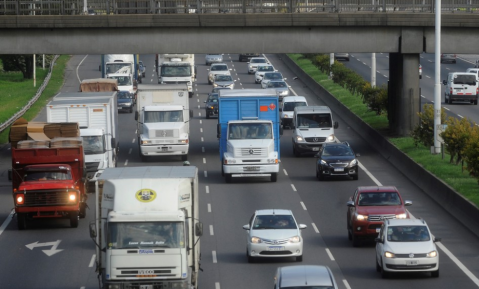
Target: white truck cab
(313,126)
(287,108)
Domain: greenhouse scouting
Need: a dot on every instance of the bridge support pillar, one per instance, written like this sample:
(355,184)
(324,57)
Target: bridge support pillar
(404,93)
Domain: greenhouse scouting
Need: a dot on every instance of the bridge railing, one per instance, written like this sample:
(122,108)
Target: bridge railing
(106,7)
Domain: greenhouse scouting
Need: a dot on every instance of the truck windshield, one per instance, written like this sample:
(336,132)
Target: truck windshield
(93,145)
(118,67)
(176,70)
(163,116)
(123,80)
(310,120)
(49,175)
(146,235)
(250,131)
(289,106)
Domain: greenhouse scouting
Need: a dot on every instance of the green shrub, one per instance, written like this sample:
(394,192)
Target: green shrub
(423,133)
(471,153)
(456,137)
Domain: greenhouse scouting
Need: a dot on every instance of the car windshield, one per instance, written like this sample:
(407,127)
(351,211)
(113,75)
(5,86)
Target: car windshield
(175,70)
(250,131)
(275,222)
(408,234)
(123,95)
(258,60)
(277,84)
(308,287)
(465,79)
(379,199)
(320,120)
(265,68)
(213,98)
(337,150)
(49,175)
(273,76)
(289,106)
(163,116)
(223,78)
(140,235)
(219,68)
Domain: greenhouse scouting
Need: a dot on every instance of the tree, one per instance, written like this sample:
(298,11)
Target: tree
(424,132)
(471,153)
(22,63)
(456,137)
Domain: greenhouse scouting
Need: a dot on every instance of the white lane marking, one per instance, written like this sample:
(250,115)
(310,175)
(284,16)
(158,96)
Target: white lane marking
(7,221)
(198,100)
(385,75)
(79,64)
(204,160)
(315,228)
(285,172)
(206,174)
(207,189)
(129,152)
(209,208)
(201,129)
(82,287)
(294,188)
(212,233)
(199,106)
(304,206)
(346,284)
(199,113)
(329,254)
(358,59)
(460,116)
(136,131)
(202,139)
(428,76)
(202,149)
(369,174)
(133,140)
(292,90)
(217,285)
(92,261)
(446,108)
(214,257)
(201,121)
(126,162)
(364,63)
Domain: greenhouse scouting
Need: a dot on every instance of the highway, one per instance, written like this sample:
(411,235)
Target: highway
(225,208)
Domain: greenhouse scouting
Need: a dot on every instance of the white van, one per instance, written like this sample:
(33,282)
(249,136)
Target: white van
(313,126)
(473,70)
(461,86)
(287,108)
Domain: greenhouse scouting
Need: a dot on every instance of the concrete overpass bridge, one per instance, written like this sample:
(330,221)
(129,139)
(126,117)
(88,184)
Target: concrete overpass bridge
(402,28)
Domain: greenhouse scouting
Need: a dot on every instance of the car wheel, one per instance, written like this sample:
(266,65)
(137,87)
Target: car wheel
(356,241)
(299,258)
(295,152)
(274,177)
(74,219)
(184,157)
(228,178)
(21,221)
(378,268)
(207,115)
(350,236)
(320,176)
(475,102)
(209,82)
(250,259)
(384,274)
(356,176)
(446,101)
(222,170)
(131,109)
(435,274)
(82,210)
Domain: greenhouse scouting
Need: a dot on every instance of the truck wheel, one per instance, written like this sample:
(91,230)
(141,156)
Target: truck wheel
(184,157)
(274,177)
(475,102)
(74,219)
(228,178)
(82,210)
(21,221)
(131,109)
(222,170)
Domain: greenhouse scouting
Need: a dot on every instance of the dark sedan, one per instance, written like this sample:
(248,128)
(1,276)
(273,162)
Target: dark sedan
(211,105)
(125,101)
(336,159)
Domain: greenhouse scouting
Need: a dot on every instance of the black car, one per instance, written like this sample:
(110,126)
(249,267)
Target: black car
(211,105)
(125,101)
(336,159)
(248,56)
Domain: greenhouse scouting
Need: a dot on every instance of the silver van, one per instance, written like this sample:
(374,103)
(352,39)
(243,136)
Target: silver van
(461,86)
(304,276)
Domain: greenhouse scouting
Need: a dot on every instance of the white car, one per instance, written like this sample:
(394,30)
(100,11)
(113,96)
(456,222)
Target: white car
(273,233)
(268,76)
(406,245)
(261,70)
(217,69)
(287,108)
(254,62)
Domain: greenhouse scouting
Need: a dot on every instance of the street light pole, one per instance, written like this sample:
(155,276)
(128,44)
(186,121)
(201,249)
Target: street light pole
(437,79)
(373,70)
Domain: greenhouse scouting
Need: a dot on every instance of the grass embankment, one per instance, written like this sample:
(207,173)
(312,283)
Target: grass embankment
(451,174)
(16,92)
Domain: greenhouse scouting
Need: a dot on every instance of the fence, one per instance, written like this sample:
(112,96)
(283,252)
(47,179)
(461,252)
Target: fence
(106,7)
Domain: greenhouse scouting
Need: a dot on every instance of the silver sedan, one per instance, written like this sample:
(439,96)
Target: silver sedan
(225,81)
(254,62)
(261,70)
(281,87)
(213,58)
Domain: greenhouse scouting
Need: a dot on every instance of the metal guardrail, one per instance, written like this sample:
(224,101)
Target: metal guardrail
(19,113)
(107,7)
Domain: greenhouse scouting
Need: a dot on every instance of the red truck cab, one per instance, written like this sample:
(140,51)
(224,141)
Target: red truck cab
(48,183)
(369,207)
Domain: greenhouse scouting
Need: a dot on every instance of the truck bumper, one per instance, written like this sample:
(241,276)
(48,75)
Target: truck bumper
(251,170)
(47,212)
(162,150)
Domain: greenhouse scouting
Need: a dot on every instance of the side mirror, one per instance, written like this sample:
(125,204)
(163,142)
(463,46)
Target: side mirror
(9,174)
(358,155)
(246,227)
(436,239)
(113,143)
(281,130)
(285,79)
(204,101)
(199,229)
(302,226)
(92,228)
(280,109)
(136,115)
(336,124)
(407,203)
(444,82)
(247,62)
(350,203)
(218,130)
(191,113)
(378,240)
(316,155)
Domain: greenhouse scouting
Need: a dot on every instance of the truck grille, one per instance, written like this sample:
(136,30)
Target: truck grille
(164,133)
(158,271)
(380,218)
(92,167)
(249,152)
(175,82)
(46,198)
(315,139)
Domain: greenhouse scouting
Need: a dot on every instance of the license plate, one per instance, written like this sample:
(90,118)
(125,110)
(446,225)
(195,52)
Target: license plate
(146,286)
(339,170)
(249,169)
(165,149)
(378,229)
(315,149)
(411,263)
(275,248)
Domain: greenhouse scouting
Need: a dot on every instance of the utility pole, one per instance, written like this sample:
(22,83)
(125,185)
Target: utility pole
(437,80)
(373,70)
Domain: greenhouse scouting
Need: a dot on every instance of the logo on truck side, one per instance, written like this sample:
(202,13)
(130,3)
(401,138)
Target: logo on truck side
(145,195)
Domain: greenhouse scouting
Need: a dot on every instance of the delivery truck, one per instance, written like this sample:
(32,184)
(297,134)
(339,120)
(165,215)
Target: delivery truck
(124,68)
(147,227)
(48,178)
(176,68)
(97,115)
(163,115)
(249,128)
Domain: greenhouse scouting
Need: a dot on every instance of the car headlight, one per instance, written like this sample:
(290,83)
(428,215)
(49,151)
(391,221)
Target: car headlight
(255,240)
(295,239)
(299,138)
(183,141)
(432,254)
(353,162)
(284,92)
(362,217)
(212,107)
(388,254)
(323,162)
(145,141)
(285,116)
(330,138)
(127,104)
(401,216)
(215,84)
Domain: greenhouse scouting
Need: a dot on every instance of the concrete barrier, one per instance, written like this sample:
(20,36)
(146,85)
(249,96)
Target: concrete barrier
(459,207)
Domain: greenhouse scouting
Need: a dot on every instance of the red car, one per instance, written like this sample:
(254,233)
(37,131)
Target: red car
(369,206)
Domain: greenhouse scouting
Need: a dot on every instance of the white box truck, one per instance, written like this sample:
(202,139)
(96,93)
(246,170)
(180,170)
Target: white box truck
(163,116)
(122,67)
(97,116)
(147,227)
(176,68)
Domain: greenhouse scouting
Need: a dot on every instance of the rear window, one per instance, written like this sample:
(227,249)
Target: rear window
(464,79)
(289,106)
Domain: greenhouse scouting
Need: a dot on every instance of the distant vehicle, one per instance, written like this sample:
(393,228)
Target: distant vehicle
(213,58)
(217,89)
(369,207)
(420,71)
(261,70)
(176,69)
(406,246)
(287,108)
(273,233)
(281,87)
(461,86)
(142,68)
(336,159)
(125,101)
(343,56)
(225,81)
(304,277)
(211,105)
(448,58)
(217,69)
(248,56)
(91,12)
(254,62)
(473,70)
(268,76)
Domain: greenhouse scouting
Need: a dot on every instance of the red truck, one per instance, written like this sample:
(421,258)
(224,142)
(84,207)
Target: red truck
(48,183)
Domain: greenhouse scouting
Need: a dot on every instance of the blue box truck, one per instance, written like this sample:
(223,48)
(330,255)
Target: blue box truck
(249,127)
